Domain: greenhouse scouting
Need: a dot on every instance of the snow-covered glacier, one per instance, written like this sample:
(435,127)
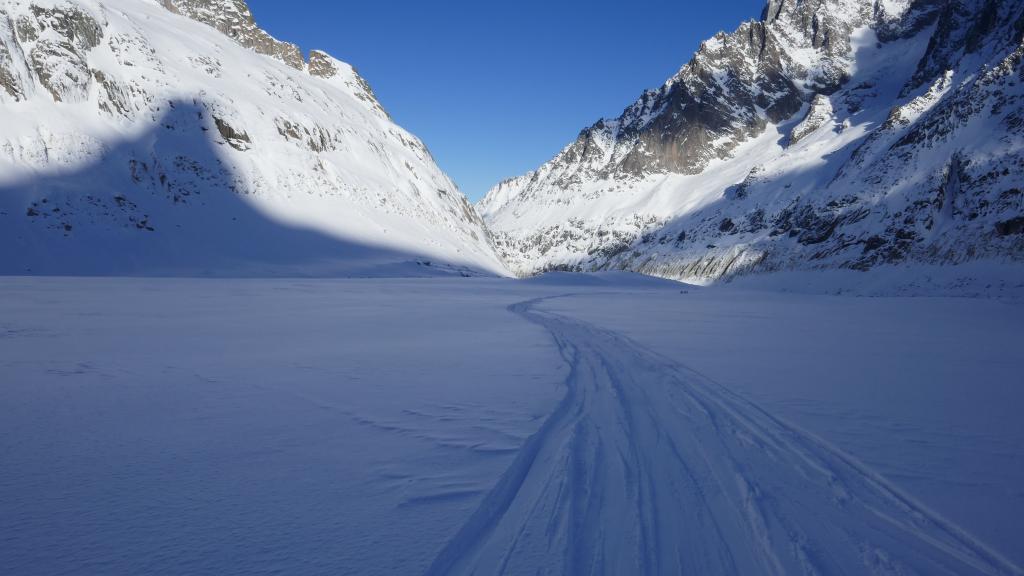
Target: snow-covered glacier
(571,424)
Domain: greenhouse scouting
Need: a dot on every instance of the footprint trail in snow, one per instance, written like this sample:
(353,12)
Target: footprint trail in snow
(646,467)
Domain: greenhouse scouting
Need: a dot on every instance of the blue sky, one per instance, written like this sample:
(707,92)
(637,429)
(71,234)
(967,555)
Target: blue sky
(496,88)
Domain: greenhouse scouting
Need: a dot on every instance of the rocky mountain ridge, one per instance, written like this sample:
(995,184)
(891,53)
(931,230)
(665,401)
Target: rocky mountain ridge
(233,18)
(829,133)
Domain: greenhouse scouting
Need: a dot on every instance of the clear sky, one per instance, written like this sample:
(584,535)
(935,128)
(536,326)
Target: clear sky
(497,88)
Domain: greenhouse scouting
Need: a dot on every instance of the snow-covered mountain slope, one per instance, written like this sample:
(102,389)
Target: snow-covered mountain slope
(176,137)
(827,134)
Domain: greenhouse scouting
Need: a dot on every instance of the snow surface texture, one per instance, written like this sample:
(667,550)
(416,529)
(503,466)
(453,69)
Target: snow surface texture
(136,140)
(828,134)
(602,424)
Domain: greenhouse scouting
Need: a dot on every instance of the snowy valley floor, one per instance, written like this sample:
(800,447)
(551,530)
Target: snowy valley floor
(563,425)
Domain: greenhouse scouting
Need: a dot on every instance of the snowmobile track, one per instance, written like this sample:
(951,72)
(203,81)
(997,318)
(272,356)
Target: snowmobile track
(647,467)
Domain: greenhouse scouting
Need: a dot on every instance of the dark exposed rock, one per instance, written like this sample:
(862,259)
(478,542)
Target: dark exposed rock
(716,97)
(233,18)
(983,24)
(61,69)
(120,98)
(10,81)
(950,189)
(755,221)
(321,64)
(818,114)
(1011,226)
(814,228)
(873,243)
(236,138)
(26,30)
(70,22)
(961,28)
(58,59)
(288,129)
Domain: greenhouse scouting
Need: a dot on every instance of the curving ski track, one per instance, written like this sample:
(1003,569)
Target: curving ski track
(646,467)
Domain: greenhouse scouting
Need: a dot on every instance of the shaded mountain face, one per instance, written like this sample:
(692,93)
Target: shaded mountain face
(130,124)
(828,133)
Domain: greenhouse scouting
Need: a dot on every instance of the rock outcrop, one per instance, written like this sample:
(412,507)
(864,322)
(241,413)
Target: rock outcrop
(233,18)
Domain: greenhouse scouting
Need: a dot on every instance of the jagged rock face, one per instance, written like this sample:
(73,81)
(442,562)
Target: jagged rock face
(233,18)
(819,113)
(962,27)
(726,94)
(12,80)
(831,133)
(55,38)
(733,87)
(126,150)
(321,64)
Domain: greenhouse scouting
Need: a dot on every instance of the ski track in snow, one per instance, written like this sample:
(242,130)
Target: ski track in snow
(647,467)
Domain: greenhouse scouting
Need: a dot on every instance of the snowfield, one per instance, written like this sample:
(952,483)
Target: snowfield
(567,424)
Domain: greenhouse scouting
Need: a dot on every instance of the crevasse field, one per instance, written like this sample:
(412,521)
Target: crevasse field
(593,423)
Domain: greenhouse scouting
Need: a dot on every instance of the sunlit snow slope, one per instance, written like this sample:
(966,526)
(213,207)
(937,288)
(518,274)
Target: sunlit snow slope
(176,137)
(826,134)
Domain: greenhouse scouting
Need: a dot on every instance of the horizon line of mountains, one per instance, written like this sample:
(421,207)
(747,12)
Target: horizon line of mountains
(825,134)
